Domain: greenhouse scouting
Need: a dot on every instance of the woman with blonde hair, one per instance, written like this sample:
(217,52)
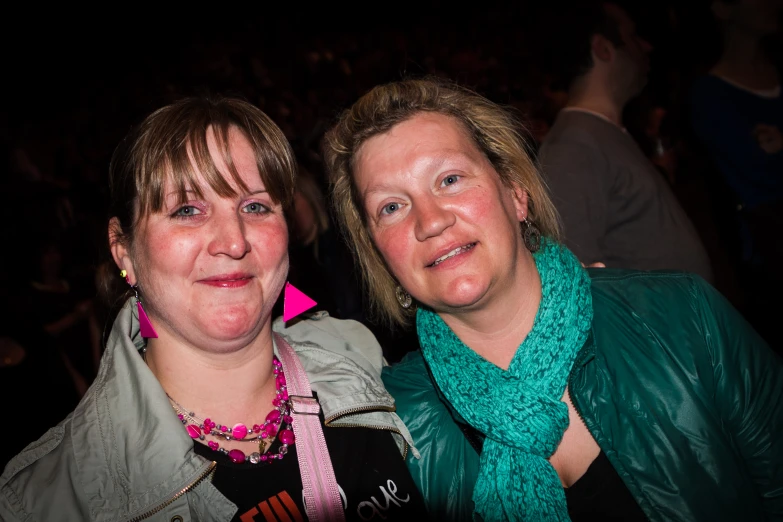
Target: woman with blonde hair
(543,390)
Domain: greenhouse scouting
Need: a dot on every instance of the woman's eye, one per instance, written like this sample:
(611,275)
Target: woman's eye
(390,208)
(450,180)
(187,211)
(255,208)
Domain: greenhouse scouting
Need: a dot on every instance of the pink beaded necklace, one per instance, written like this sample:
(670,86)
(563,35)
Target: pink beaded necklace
(199,428)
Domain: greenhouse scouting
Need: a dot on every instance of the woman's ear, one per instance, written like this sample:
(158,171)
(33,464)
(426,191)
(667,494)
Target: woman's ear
(119,250)
(520,202)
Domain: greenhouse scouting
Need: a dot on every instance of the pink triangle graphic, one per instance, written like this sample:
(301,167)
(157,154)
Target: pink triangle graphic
(295,302)
(145,326)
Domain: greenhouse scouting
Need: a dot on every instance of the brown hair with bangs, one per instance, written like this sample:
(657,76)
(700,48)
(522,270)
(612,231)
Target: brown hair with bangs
(497,133)
(170,145)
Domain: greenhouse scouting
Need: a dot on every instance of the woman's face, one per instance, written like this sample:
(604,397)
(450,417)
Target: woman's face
(438,212)
(211,269)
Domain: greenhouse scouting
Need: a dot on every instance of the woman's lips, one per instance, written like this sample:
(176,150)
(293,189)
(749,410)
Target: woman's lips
(452,254)
(228,281)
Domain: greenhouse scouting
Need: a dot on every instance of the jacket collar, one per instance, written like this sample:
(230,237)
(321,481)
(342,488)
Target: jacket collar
(137,455)
(342,373)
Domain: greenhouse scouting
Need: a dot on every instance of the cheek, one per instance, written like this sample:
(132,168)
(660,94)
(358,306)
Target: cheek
(494,212)
(271,243)
(273,255)
(480,207)
(395,247)
(160,255)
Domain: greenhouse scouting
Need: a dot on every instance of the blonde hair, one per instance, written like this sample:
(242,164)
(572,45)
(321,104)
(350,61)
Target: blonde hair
(495,131)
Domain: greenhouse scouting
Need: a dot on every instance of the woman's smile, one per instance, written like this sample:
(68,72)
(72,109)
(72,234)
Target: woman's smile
(236,280)
(454,255)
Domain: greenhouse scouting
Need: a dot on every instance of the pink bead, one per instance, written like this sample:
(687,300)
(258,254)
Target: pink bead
(276,402)
(213,445)
(264,433)
(194,431)
(287,437)
(280,381)
(284,395)
(256,428)
(264,457)
(223,429)
(288,419)
(236,456)
(272,429)
(273,416)
(239,431)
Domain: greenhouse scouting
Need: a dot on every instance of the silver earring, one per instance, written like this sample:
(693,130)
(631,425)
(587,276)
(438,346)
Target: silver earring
(403,297)
(531,235)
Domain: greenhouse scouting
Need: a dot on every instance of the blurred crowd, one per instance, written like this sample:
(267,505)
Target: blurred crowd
(70,109)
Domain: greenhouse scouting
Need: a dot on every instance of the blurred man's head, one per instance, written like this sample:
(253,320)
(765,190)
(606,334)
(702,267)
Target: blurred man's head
(597,41)
(629,61)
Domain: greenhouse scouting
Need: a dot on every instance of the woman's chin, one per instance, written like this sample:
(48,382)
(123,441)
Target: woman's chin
(234,325)
(461,299)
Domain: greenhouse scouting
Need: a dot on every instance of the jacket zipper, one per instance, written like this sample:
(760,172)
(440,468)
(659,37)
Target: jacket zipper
(207,473)
(368,408)
(634,493)
(573,401)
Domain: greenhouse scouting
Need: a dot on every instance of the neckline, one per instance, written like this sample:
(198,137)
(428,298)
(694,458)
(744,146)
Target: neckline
(769,94)
(596,114)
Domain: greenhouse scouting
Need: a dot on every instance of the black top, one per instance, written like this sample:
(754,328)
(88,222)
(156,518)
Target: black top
(374,481)
(600,494)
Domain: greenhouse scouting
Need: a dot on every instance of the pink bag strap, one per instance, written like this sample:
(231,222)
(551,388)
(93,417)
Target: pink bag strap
(321,494)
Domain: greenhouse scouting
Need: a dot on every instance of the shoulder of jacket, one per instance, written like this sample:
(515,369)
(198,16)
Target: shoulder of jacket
(623,281)
(410,368)
(661,310)
(410,383)
(31,470)
(344,337)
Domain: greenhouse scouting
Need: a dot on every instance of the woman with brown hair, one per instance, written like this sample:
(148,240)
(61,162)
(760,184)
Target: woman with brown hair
(203,408)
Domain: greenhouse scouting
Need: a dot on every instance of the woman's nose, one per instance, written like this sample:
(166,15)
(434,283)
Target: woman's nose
(228,237)
(431,219)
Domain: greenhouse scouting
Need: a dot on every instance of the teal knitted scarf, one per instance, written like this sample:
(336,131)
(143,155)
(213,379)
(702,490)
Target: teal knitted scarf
(520,409)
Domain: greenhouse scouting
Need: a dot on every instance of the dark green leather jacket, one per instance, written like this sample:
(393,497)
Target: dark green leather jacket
(682,395)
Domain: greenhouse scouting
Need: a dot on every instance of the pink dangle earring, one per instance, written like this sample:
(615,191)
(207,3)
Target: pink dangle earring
(145,326)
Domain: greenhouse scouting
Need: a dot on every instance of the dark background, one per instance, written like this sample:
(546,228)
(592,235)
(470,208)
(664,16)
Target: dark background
(74,82)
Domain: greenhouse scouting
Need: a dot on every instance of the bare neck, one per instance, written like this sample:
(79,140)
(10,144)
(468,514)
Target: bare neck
(496,329)
(231,387)
(593,93)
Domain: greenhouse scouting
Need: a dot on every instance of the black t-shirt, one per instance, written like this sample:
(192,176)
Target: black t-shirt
(600,494)
(373,478)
